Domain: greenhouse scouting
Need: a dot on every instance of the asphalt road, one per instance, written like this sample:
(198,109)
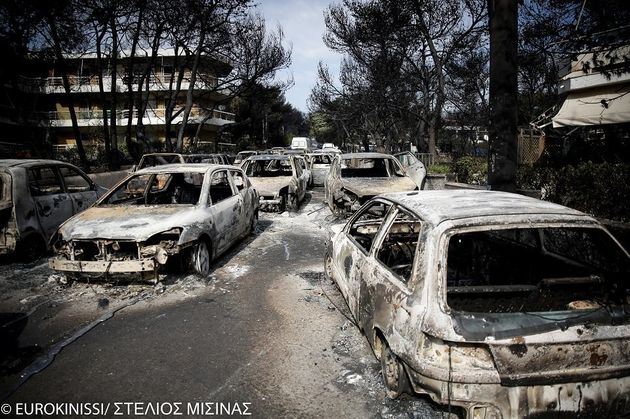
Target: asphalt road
(266,333)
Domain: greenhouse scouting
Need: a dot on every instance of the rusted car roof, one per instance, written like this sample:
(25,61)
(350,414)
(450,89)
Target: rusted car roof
(269,157)
(442,205)
(27,162)
(366,155)
(183,167)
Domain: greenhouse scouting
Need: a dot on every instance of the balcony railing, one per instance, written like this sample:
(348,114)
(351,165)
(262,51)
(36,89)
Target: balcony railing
(151,116)
(90,83)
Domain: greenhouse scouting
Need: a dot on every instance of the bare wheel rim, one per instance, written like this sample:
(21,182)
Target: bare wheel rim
(202,258)
(392,371)
(328,265)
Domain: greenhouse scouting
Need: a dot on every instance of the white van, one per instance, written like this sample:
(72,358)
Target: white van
(301,143)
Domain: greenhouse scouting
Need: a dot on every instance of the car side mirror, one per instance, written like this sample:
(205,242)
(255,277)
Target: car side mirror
(134,167)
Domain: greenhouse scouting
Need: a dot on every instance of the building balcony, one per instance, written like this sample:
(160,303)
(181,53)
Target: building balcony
(89,84)
(152,117)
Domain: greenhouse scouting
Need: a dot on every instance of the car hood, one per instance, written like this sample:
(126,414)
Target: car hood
(126,222)
(372,186)
(270,185)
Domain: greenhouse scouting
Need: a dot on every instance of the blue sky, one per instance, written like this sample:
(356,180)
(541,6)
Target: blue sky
(303,25)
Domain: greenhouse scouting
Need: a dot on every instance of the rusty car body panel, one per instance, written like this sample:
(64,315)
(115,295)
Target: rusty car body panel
(37,196)
(279,179)
(356,177)
(157,213)
(560,346)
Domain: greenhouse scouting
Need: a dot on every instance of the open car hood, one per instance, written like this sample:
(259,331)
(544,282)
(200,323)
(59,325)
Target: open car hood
(136,223)
(372,186)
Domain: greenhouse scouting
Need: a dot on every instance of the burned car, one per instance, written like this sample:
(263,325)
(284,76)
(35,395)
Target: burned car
(356,177)
(195,211)
(159,159)
(320,165)
(279,180)
(36,196)
(495,304)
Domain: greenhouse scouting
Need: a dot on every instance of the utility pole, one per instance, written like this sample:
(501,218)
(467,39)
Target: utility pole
(503,141)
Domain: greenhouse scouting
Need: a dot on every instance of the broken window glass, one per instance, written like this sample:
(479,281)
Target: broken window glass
(74,181)
(365,227)
(220,188)
(399,245)
(44,181)
(536,270)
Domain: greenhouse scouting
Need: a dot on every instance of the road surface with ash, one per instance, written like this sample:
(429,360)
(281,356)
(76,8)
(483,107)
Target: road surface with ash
(265,328)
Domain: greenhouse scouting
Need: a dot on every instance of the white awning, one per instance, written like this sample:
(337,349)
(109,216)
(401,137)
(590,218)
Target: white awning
(597,106)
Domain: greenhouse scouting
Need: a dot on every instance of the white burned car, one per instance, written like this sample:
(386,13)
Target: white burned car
(36,196)
(197,211)
(495,304)
(354,178)
(279,179)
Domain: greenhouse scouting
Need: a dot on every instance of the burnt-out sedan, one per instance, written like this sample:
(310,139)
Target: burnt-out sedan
(279,180)
(354,178)
(196,211)
(494,304)
(36,196)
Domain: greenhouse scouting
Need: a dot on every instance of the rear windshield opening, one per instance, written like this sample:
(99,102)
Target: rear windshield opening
(536,270)
(369,168)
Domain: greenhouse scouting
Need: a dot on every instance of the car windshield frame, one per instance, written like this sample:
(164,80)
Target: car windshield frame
(193,193)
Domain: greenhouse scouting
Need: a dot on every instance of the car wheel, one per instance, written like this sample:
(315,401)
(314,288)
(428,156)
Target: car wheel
(393,372)
(252,224)
(292,203)
(200,261)
(30,248)
(328,260)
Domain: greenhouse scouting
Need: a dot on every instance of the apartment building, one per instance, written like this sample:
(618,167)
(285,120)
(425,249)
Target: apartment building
(43,84)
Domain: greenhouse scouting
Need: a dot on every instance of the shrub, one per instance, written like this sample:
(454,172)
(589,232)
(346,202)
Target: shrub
(600,189)
(471,170)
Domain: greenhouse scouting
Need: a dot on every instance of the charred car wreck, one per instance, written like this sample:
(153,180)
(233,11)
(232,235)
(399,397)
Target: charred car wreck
(495,304)
(195,211)
(279,180)
(356,177)
(36,196)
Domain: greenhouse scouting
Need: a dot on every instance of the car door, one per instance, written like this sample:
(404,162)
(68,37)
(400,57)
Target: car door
(353,249)
(246,206)
(383,299)
(52,203)
(413,167)
(300,177)
(79,188)
(223,203)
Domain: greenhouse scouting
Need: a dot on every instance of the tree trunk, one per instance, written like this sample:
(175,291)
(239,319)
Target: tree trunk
(502,155)
(66,86)
(130,79)
(101,92)
(114,163)
(191,88)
